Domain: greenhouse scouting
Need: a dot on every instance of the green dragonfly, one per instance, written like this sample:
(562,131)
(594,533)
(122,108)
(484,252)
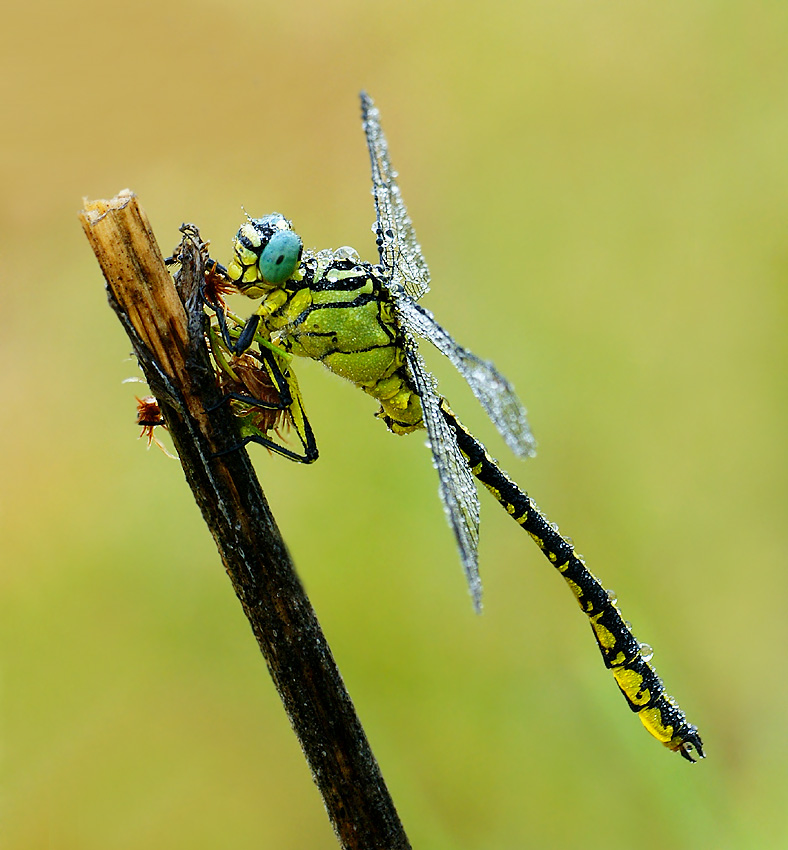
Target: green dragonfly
(363,322)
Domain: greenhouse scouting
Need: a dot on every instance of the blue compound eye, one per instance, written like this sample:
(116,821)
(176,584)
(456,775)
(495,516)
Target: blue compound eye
(279,259)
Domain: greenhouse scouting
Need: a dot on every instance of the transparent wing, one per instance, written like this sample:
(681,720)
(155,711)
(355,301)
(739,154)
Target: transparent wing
(400,252)
(456,485)
(495,393)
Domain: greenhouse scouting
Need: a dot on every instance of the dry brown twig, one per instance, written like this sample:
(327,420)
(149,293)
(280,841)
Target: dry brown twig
(165,326)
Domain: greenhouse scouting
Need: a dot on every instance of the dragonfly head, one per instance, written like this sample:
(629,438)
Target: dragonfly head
(266,253)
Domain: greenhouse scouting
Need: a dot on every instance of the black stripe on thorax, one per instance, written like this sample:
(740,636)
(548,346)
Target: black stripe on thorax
(362,272)
(358,301)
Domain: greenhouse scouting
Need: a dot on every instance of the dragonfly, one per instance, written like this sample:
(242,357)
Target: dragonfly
(364,322)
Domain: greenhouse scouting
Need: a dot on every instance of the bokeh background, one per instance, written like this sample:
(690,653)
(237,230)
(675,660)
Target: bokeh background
(601,190)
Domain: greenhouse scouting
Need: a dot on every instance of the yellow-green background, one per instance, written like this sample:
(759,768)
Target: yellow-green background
(601,190)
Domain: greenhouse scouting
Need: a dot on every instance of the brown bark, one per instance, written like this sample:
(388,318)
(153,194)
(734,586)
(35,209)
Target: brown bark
(165,326)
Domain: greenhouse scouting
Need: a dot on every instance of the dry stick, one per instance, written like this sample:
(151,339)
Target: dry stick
(169,343)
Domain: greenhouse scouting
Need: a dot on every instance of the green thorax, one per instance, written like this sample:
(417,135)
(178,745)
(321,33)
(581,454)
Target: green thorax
(340,313)
(335,309)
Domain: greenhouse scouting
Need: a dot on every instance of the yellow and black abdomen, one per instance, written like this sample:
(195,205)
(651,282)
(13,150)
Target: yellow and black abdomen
(625,657)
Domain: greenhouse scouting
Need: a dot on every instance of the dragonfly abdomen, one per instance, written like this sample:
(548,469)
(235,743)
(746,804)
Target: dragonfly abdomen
(623,654)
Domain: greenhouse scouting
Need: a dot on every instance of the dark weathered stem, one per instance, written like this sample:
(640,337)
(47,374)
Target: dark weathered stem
(167,333)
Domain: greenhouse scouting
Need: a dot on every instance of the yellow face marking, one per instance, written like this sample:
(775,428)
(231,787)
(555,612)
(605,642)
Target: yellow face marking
(249,232)
(234,270)
(250,275)
(247,257)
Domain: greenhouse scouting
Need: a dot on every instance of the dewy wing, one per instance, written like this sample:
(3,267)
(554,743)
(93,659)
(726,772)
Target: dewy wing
(456,486)
(495,394)
(400,252)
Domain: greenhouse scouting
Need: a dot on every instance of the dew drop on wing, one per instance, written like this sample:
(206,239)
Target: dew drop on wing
(611,596)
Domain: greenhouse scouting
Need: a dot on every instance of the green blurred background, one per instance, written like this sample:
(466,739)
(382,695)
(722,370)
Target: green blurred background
(601,190)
